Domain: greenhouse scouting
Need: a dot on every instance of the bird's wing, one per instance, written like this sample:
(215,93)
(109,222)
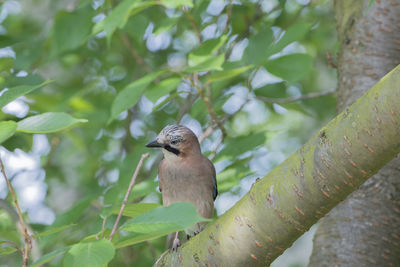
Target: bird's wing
(214,178)
(161,173)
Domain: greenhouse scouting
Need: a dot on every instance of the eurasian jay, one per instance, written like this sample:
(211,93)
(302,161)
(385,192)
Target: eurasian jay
(185,175)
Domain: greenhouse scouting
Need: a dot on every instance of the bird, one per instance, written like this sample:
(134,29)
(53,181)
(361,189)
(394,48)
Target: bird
(185,174)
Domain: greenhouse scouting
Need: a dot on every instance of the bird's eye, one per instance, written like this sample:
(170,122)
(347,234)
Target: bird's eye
(174,142)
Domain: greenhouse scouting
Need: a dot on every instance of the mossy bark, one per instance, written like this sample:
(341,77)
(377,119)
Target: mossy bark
(365,229)
(291,198)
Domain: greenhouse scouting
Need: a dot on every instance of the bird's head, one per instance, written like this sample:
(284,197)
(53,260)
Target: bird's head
(176,141)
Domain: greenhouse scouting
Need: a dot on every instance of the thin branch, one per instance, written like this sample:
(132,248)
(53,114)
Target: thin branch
(258,16)
(190,99)
(103,228)
(331,63)
(210,109)
(193,23)
(227,117)
(210,129)
(206,133)
(295,98)
(229,14)
(214,153)
(134,53)
(35,251)
(27,237)
(135,174)
(12,243)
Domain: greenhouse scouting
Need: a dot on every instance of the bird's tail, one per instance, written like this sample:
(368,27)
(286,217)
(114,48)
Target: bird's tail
(170,239)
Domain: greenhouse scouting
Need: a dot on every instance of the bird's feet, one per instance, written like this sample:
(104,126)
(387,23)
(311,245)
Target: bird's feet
(175,244)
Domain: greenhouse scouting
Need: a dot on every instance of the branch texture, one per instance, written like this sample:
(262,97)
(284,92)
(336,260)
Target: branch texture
(296,194)
(364,230)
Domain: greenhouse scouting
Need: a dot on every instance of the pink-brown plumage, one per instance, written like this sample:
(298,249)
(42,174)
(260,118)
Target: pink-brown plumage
(185,174)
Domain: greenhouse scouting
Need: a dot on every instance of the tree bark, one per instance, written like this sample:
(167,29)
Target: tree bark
(364,230)
(291,198)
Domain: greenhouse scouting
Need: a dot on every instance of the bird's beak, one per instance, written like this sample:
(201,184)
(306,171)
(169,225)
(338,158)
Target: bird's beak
(154,143)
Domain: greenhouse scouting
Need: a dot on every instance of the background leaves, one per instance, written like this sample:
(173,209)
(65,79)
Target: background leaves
(121,71)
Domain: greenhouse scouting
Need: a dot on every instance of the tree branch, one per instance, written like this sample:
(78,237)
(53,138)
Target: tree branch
(193,23)
(135,174)
(295,98)
(134,53)
(27,237)
(291,198)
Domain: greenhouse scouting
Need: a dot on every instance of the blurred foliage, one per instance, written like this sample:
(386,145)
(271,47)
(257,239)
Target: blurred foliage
(128,68)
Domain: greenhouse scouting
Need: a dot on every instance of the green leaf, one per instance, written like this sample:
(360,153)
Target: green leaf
(90,254)
(162,88)
(277,90)
(49,256)
(227,74)
(130,95)
(293,33)
(7,129)
(175,217)
(17,91)
(53,230)
(166,24)
(133,210)
(137,238)
(258,49)
(6,63)
(212,63)
(239,145)
(176,3)
(120,15)
(76,211)
(71,29)
(206,50)
(291,67)
(47,123)
(7,250)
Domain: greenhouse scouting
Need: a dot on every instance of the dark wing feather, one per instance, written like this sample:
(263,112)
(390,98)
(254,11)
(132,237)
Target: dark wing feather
(215,188)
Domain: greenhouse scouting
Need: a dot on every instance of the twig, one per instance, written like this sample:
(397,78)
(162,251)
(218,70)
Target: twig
(27,237)
(258,16)
(210,129)
(35,251)
(103,227)
(195,83)
(206,133)
(193,23)
(229,14)
(189,100)
(214,153)
(331,62)
(210,109)
(135,174)
(227,117)
(12,243)
(295,98)
(134,53)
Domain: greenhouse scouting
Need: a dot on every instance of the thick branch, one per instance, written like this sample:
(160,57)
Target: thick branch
(364,230)
(295,195)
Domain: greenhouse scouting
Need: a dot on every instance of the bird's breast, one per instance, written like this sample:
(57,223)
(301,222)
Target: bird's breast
(185,184)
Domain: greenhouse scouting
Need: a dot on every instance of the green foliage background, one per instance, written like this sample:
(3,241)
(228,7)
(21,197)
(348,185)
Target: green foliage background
(101,78)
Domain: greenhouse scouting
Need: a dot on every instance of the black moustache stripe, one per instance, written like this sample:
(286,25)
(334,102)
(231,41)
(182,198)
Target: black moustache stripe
(173,150)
